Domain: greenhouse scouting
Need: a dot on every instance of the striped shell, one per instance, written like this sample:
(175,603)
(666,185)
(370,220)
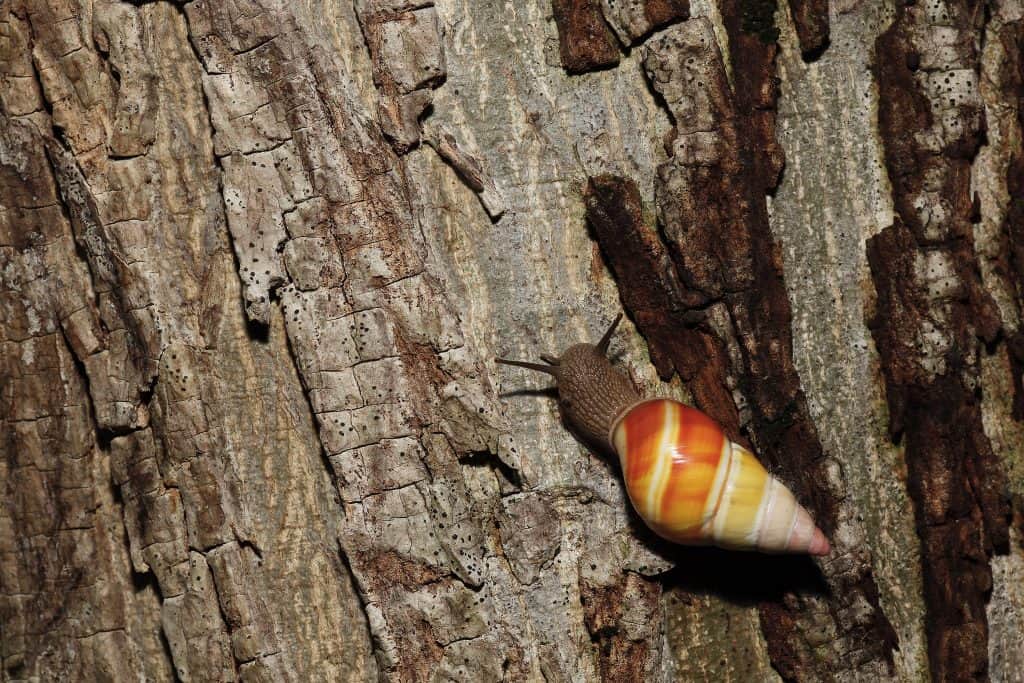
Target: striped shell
(691,485)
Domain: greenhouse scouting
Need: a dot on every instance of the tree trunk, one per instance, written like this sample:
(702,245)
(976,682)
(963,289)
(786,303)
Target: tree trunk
(256,257)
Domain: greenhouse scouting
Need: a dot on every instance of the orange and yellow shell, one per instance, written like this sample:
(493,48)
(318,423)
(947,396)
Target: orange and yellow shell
(692,485)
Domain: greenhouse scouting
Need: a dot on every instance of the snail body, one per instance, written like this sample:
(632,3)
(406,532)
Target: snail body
(686,479)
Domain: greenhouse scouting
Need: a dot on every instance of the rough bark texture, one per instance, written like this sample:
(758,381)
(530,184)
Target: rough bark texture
(585,41)
(255,256)
(811,20)
(932,317)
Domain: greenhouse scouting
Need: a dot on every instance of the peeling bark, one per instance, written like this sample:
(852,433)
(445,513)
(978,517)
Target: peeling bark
(585,42)
(932,317)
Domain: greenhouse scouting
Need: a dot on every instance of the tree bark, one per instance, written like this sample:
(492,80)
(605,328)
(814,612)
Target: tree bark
(256,257)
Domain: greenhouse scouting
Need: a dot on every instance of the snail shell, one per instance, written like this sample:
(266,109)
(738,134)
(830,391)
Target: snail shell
(692,485)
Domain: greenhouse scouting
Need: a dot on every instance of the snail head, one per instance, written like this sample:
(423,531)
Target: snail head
(593,393)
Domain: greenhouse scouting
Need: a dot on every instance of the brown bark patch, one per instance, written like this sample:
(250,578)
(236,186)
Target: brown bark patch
(931,311)
(665,310)
(585,41)
(615,616)
(661,12)
(1013,267)
(391,569)
(954,478)
(752,49)
(812,25)
(1011,263)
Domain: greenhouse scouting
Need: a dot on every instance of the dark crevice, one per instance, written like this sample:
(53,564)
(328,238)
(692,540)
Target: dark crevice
(726,575)
(492,461)
(256,330)
(811,19)
(758,19)
(814,54)
(251,546)
(1010,260)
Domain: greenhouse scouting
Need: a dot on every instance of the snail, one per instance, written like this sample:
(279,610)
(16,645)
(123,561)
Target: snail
(688,482)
